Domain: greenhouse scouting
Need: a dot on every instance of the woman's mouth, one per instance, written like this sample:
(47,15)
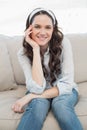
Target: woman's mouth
(42,38)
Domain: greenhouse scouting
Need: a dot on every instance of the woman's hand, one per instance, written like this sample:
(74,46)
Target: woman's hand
(19,104)
(28,38)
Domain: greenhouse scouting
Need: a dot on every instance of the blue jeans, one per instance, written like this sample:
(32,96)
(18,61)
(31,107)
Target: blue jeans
(62,108)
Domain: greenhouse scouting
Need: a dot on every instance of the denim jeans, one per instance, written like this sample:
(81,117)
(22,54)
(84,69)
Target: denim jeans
(62,108)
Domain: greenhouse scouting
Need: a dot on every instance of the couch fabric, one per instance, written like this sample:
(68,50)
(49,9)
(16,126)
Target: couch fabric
(12,81)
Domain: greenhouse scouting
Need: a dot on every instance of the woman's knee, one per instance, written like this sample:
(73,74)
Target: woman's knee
(64,102)
(61,107)
(39,108)
(65,114)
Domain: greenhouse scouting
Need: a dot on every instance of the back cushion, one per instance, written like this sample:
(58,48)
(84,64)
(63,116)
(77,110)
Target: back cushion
(79,47)
(9,59)
(13,46)
(6,73)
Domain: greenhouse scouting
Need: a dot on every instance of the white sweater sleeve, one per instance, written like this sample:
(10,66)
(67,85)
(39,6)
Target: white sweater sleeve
(66,79)
(31,85)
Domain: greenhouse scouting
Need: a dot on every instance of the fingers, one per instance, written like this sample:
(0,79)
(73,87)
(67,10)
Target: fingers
(27,34)
(28,31)
(29,39)
(17,108)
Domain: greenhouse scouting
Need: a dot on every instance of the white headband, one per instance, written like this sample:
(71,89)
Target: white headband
(42,9)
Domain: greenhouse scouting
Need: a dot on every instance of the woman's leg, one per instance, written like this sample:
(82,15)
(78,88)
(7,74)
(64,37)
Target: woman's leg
(63,109)
(34,114)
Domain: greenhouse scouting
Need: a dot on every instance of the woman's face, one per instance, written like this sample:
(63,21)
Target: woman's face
(42,29)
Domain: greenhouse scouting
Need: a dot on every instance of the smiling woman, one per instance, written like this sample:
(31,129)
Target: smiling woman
(70,13)
(47,62)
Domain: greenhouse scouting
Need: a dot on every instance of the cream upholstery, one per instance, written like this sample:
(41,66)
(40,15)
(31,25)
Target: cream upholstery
(12,81)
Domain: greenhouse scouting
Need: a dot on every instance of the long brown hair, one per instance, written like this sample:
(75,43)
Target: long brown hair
(55,49)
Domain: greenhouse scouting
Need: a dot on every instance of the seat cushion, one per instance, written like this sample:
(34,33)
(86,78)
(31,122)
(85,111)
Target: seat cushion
(81,107)
(8,119)
(11,119)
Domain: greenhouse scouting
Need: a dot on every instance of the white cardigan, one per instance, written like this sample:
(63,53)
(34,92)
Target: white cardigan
(65,81)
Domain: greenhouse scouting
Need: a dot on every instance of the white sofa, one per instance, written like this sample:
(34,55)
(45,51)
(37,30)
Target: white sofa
(12,81)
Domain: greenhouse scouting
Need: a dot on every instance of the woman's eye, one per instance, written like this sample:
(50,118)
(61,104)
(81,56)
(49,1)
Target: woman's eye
(37,27)
(48,27)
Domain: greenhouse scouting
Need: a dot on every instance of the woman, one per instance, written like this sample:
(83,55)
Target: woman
(47,62)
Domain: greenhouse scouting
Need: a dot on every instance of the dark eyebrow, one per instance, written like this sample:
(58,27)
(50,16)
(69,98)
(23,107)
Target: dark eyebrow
(37,25)
(48,25)
(40,25)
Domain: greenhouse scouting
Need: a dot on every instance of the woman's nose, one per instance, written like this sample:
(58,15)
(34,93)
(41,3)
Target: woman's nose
(42,31)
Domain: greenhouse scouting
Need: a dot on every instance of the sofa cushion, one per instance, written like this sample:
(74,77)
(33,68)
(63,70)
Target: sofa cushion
(6,72)
(11,119)
(8,119)
(7,98)
(14,43)
(79,46)
(81,107)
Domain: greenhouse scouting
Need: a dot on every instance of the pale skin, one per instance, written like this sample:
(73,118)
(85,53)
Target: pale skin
(37,35)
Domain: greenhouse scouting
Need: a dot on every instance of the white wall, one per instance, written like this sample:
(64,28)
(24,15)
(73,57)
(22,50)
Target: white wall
(71,14)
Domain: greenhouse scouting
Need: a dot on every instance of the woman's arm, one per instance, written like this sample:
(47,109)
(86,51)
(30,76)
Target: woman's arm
(31,85)
(49,93)
(37,72)
(34,78)
(65,82)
